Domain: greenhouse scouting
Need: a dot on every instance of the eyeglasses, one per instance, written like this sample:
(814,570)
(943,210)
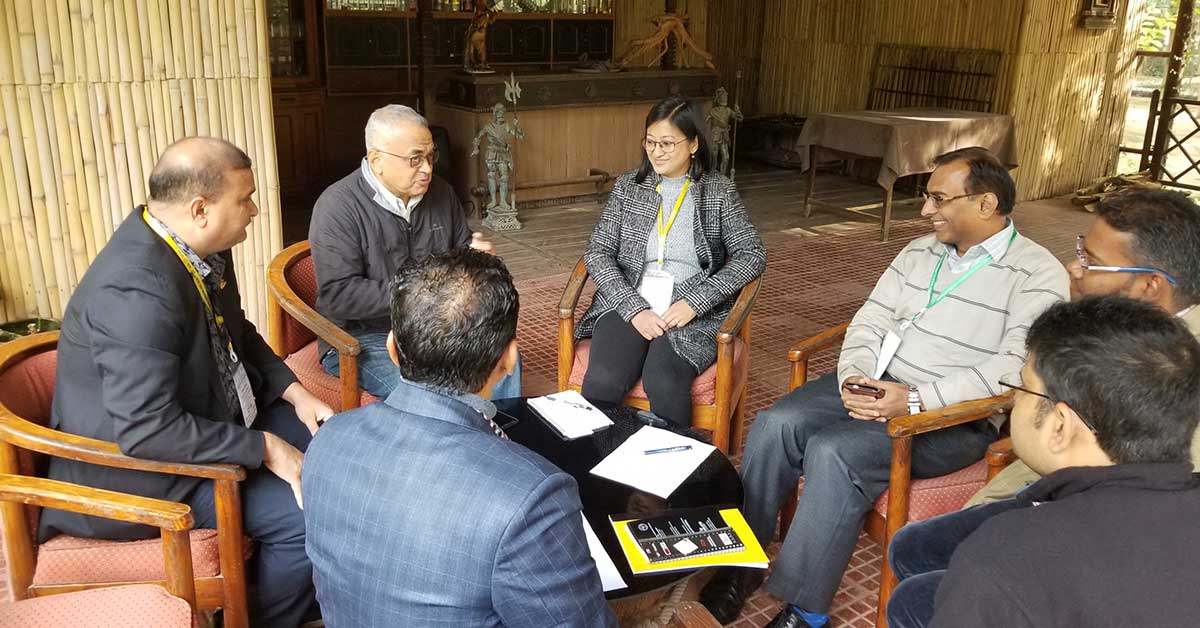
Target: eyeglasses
(1083,263)
(1007,381)
(667,147)
(938,201)
(414,161)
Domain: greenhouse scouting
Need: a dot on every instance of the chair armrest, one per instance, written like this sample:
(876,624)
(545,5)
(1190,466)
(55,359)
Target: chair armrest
(28,435)
(290,302)
(692,614)
(1000,453)
(94,501)
(571,293)
(803,350)
(949,416)
(740,313)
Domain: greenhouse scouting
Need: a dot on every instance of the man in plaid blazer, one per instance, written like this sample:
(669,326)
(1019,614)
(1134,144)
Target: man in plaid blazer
(419,510)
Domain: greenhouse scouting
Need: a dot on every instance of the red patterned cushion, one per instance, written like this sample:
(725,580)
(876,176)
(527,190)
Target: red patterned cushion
(937,496)
(302,279)
(704,387)
(130,606)
(68,559)
(307,367)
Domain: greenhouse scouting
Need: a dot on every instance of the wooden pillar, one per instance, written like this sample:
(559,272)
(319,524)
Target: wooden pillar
(426,31)
(1183,28)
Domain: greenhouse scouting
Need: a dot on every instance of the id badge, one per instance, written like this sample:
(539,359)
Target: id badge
(887,351)
(245,394)
(656,288)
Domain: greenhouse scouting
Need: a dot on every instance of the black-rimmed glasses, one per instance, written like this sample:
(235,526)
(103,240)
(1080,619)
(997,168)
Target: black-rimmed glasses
(938,201)
(1007,382)
(414,161)
(1083,263)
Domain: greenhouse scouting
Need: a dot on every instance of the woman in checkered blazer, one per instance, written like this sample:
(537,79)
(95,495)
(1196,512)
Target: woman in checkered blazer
(671,251)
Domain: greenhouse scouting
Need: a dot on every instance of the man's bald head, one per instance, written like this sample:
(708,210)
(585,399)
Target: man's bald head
(192,167)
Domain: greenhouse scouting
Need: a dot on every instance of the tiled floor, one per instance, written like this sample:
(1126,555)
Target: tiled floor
(819,271)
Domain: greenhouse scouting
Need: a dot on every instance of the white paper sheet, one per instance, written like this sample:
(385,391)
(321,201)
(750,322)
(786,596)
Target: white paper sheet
(570,414)
(659,474)
(609,576)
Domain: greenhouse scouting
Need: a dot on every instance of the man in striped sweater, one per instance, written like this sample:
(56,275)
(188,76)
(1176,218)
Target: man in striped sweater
(959,303)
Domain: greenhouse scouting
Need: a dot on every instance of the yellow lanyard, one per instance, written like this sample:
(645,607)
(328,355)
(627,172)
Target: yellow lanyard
(196,278)
(663,230)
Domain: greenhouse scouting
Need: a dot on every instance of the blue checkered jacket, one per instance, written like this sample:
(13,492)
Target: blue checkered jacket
(416,514)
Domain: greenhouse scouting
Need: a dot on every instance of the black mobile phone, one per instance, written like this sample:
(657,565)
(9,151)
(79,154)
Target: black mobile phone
(505,420)
(863,389)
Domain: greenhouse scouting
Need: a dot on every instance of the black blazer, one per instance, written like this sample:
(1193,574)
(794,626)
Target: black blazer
(135,367)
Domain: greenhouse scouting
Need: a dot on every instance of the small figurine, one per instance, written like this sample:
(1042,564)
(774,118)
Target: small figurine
(720,120)
(475,54)
(501,211)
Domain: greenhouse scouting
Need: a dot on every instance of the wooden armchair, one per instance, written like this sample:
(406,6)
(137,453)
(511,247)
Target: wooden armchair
(64,563)
(718,394)
(295,327)
(907,499)
(154,608)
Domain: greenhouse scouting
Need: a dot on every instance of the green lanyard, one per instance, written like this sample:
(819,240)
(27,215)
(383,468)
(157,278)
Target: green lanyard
(932,300)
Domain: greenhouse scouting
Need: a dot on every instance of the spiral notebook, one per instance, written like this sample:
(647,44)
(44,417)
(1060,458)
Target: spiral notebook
(688,539)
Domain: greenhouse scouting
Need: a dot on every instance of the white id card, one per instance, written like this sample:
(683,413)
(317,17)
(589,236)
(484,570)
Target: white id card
(245,394)
(656,288)
(887,351)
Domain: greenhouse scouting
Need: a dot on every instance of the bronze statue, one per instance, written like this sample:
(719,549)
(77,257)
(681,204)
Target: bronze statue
(475,54)
(721,119)
(501,214)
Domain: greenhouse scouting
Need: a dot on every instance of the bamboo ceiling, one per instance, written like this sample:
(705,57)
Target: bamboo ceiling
(91,92)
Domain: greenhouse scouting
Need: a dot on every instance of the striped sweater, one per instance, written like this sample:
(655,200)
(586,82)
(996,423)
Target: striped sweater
(960,348)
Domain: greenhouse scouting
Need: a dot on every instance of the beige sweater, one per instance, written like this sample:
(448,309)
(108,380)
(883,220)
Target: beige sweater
(960,348)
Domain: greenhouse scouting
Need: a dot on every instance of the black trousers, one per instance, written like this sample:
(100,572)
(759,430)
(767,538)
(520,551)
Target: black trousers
(620,355)
(284,593)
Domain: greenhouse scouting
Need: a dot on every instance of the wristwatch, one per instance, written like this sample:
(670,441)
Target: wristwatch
(914,400)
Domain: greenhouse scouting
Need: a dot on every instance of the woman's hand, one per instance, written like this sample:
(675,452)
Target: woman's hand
(679,314)
(648,324)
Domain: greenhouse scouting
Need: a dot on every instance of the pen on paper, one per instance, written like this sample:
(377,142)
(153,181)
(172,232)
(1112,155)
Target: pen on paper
(667,450)
(581,406)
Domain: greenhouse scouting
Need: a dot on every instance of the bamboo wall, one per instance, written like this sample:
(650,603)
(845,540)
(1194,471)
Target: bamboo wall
(1066,87)
(1069,95)
(91,92)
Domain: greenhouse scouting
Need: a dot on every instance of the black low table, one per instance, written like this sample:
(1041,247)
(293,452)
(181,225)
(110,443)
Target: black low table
(714,483)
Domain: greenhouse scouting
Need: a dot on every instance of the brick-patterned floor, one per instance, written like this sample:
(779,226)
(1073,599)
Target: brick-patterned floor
(819,271)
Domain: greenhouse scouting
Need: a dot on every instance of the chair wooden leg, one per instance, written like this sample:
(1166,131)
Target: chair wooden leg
(787,512)
(232,553)
(899,487)
(738,425)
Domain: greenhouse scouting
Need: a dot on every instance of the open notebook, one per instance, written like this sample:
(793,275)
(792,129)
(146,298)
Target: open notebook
(570,414)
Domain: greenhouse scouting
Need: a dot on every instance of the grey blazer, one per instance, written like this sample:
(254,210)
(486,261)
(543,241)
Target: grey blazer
(730,251)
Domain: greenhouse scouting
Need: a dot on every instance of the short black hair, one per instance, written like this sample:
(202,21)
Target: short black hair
(1128,367)
(686,117)
(452,317)
(177,178)
(985,174)
(1165,229)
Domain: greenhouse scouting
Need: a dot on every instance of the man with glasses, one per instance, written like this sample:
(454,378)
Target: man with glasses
(391,211)
(1106,410)
(945,321)
(1142,245)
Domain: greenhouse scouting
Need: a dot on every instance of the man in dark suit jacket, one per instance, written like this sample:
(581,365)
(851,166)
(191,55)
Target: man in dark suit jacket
(156,354)
(420,511)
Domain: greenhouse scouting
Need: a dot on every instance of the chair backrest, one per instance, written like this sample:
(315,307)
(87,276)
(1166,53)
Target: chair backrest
(301,277)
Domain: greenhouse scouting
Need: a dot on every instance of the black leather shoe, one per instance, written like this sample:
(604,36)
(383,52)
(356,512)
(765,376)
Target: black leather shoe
(725,595)
(787,619)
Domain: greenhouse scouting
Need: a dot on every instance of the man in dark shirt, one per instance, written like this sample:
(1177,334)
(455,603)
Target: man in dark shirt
(390,212)
(1105,409)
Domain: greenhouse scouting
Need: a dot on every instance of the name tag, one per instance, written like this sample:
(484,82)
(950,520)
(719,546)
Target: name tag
(245,394)
(656,288)
(887,351)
